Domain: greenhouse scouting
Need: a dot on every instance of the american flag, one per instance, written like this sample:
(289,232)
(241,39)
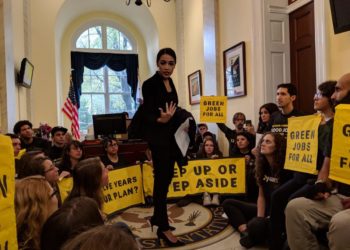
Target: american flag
(70,109)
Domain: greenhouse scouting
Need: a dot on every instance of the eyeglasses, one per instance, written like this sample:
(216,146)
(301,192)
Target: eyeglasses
(113,145)
(52,167)
(318,95)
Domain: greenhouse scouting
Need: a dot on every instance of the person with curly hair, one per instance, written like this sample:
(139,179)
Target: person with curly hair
(35,201)
(250,219)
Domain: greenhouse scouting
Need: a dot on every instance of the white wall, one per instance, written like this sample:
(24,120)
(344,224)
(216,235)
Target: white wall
(154,26)
(236,25)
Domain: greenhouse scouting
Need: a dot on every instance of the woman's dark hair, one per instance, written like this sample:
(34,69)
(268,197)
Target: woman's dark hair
(107,237)
(327,89)
(262,166)
(249,137)
(22,166)
(166,51)
(75,216)
(271,108)
(36,167)
(65,163)
(12,136)
(87,180)
(108,140)
(203,155)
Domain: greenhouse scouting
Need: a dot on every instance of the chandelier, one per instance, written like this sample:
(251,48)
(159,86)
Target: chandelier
(139,2)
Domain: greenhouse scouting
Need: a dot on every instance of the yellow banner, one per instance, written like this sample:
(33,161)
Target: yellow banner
(65,186)
(213,109)
(8,233)
(340,158)
(147,177)
(124,189)
(302,143)
(226,176)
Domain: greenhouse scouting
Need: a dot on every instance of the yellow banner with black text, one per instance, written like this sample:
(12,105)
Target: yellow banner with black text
(124,189)
(8,233)
(302,143)
(340,157)
(213,109)
(126,185)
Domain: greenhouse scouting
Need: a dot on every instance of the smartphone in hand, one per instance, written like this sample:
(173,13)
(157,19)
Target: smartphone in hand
(248,123)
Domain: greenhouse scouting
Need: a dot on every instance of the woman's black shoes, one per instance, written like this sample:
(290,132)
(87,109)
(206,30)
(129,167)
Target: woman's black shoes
(152,223)
(245,240)
(162,236)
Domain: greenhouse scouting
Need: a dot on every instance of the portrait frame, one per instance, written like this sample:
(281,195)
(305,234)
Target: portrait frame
(234,71)
(195,87)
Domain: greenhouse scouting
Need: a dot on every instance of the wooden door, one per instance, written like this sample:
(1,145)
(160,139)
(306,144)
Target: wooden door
(302,56)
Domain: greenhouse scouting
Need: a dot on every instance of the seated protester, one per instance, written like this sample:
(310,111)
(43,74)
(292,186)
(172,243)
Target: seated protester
(245,144)
(111,159)
(296,187)
(43,166)
(322,210)
(89,176)
(238,121)
(265,113)
(206,135)
(22,165)
(187,199)
(201,129)
(72,154)
(210,150)
(24,129)
(16,143)
(35,201)
(102,237)
(58,137)
(74,217)
(250,219)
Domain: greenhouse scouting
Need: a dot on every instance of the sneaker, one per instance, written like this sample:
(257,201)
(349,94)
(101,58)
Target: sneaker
(215,201)
(206,199)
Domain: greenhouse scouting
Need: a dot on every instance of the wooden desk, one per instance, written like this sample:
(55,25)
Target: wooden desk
(129,151)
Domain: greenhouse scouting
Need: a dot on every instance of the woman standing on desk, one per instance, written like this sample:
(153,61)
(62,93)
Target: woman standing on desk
(160,100)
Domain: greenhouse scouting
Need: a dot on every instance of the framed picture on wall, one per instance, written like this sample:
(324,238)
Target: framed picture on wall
(195,87)
(234,71)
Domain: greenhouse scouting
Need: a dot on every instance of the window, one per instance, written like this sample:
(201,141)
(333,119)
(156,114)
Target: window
(104,90)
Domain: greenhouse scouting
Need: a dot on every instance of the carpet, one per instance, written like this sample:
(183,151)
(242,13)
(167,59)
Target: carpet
(196,225)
